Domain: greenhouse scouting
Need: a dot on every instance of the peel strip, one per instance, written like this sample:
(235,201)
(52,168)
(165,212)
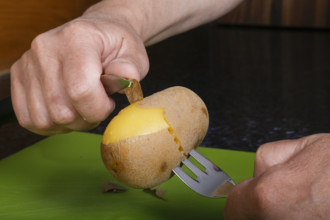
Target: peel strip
(134,93)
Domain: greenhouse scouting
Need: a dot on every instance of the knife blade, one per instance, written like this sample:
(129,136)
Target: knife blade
(113,83)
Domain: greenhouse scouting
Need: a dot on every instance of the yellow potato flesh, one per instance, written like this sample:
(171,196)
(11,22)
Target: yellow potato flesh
(147,139)
(133,121)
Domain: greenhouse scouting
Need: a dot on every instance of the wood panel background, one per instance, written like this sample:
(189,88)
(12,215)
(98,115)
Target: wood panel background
(22,20)
(282,13)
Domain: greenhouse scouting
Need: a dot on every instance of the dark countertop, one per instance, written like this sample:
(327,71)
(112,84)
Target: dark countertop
(259,84)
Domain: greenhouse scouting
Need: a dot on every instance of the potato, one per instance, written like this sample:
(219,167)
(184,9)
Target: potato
(147,139)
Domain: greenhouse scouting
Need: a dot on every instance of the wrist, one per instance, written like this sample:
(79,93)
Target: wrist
(155,20)
(124,12)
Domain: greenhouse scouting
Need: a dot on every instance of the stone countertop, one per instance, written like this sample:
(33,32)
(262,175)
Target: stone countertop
(259,84)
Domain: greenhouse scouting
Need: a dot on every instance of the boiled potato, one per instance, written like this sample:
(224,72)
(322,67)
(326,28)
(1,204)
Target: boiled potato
(147,139)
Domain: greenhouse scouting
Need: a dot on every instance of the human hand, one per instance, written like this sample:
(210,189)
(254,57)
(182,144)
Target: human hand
(291,181)
(56,84)
(56,87)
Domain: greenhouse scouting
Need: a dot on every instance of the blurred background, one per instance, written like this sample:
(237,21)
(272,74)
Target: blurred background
(263,69)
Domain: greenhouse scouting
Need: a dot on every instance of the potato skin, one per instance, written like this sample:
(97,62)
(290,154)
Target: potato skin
(143,161)
(147,161)
(186,113)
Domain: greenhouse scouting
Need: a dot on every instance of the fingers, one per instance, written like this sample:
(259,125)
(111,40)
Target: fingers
(253,198)
(295,186)
(84,88)
(47,104)
(273,153)
(56,85)
(59,106)
(28,98)
(18,96)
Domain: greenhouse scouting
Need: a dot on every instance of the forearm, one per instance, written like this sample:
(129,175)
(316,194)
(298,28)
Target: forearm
(65,63)
(155,20)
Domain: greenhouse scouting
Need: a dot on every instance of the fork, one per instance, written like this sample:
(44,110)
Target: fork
(212,182)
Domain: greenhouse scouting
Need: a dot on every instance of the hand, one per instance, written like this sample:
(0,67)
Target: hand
(56,84)
(291,181)
(56,87)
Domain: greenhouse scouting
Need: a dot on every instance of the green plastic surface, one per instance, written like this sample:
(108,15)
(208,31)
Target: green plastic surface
(62,177)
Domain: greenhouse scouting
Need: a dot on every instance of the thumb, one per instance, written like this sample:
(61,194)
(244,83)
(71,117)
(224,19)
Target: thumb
(131,64)
(273,153)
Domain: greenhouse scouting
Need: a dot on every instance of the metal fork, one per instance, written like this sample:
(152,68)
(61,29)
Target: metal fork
(212,182)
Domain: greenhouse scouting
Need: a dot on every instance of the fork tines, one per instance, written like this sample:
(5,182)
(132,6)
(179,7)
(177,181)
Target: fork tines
(211,182)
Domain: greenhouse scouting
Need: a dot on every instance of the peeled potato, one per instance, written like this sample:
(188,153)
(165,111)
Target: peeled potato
(147,139)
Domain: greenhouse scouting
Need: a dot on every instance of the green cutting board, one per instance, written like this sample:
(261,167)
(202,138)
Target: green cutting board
(62,177)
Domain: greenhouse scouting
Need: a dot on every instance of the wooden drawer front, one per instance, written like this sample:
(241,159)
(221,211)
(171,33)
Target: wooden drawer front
(21,21)
(287,13)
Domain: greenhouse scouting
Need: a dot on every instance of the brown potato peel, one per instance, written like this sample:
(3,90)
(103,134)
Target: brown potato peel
(159,193)
(111,187)
(134,93)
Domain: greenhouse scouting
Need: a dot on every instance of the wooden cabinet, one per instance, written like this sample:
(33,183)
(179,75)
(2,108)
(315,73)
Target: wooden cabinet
(22,20)
(281,13)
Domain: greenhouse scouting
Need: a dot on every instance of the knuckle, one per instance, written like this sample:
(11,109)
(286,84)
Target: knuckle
(100,111)
(75,29)
(264,155)
(23,122)
(266,192)
(259,157)
(100,116)
(60,113)
(14,75)
(262,197)
(21,65)
(63,116)
(14,69)
(39,43)
(42,125)
(79,92)
(106,110)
